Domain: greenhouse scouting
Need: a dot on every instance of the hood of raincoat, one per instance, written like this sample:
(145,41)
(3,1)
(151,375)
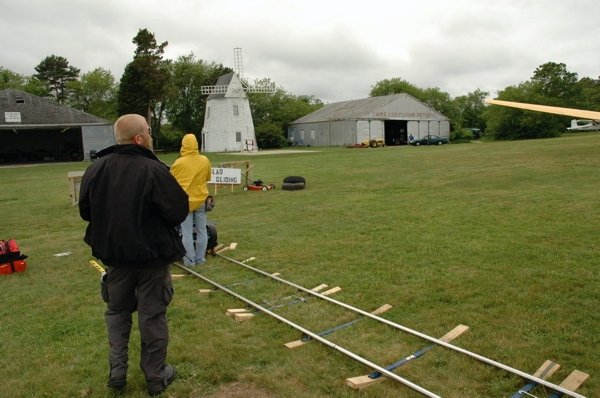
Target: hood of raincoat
(189,145)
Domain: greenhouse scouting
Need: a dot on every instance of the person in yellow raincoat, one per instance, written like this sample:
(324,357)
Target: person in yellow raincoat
(192,171)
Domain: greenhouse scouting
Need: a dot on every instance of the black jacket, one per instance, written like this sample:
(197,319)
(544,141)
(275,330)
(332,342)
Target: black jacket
(132,204)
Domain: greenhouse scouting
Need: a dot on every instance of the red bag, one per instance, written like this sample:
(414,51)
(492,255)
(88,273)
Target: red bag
(11,259)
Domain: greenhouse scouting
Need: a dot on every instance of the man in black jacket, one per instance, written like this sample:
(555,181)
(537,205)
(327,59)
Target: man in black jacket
(133,205)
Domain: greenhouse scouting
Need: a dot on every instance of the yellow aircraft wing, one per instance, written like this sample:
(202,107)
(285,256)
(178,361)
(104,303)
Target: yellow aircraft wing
(578,113)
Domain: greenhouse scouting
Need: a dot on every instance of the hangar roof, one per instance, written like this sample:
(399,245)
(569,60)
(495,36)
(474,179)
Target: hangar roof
(19,109)
(388,107)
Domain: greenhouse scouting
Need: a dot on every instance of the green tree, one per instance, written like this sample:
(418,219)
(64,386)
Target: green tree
(55,72)
(551,84)
(96,93)
(590,93)
(144,82)
(555,84)
(272,113)
(10,79)
(510,124)
(395,85)
(184,104)
(470,110)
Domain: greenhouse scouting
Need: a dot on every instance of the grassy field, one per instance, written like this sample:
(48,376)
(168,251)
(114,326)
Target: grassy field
(500,236)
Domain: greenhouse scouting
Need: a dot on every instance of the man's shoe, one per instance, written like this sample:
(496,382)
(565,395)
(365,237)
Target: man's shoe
(169,377)
(117,384)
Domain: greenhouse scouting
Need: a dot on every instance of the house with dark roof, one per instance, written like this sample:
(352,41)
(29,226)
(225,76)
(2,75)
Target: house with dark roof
(36,129)
(391,118)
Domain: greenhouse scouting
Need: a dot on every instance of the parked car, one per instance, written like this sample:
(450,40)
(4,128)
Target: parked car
(430,140)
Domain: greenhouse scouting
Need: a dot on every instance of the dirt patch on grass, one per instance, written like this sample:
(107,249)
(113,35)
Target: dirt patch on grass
(241,390)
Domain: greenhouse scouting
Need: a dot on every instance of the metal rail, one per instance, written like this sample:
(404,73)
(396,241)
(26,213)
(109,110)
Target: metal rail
(480,358)
(314,336)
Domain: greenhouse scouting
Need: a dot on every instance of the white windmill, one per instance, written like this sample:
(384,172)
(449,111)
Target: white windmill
(228,125)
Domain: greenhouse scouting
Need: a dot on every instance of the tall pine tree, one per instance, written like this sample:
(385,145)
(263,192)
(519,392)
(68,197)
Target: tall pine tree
(145,78)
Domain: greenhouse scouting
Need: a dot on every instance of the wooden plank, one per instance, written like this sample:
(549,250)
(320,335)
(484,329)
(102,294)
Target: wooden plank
(243,317)
(299,343)
(205,291)
(246,261)
(547,369)
(218,247)
(332,291)
(360,382)
(223,249)
(574,380)
(233,245)
(319,288)
(178,276)
(233,311)
(454,333)
(382,309)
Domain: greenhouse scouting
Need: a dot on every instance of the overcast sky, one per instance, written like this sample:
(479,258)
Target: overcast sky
(334,50)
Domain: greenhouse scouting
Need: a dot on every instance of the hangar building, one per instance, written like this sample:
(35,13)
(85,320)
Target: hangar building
(392,118)
(36,129)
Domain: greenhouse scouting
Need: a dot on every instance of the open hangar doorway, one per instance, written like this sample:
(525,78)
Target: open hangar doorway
(41,145)
(396,132)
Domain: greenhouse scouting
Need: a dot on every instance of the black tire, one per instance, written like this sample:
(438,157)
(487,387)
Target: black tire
(294,179)
(292,186)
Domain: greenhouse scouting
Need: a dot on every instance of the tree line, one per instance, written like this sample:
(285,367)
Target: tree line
(167,92)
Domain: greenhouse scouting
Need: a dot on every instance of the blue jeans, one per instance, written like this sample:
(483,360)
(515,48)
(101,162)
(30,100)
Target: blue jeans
(194,251)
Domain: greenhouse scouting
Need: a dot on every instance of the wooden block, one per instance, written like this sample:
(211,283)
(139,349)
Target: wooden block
(232,246)
(275,274)
(178,276)
(246,261)
(222,250)
(454,333)
(243,317)
(546,370)
(218,247)
(382,309)
(319,288)
(205,291)
(360,382)
(294,344)
(574,380)
(233,311)
(332,291)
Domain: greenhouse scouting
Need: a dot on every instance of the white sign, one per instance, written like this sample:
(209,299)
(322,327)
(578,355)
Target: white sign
(225,176)
(12,117)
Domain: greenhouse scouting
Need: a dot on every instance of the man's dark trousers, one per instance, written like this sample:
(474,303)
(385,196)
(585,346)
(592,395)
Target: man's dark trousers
(149,291)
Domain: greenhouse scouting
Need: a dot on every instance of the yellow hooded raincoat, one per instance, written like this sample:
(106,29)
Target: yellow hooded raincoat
(192,171)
